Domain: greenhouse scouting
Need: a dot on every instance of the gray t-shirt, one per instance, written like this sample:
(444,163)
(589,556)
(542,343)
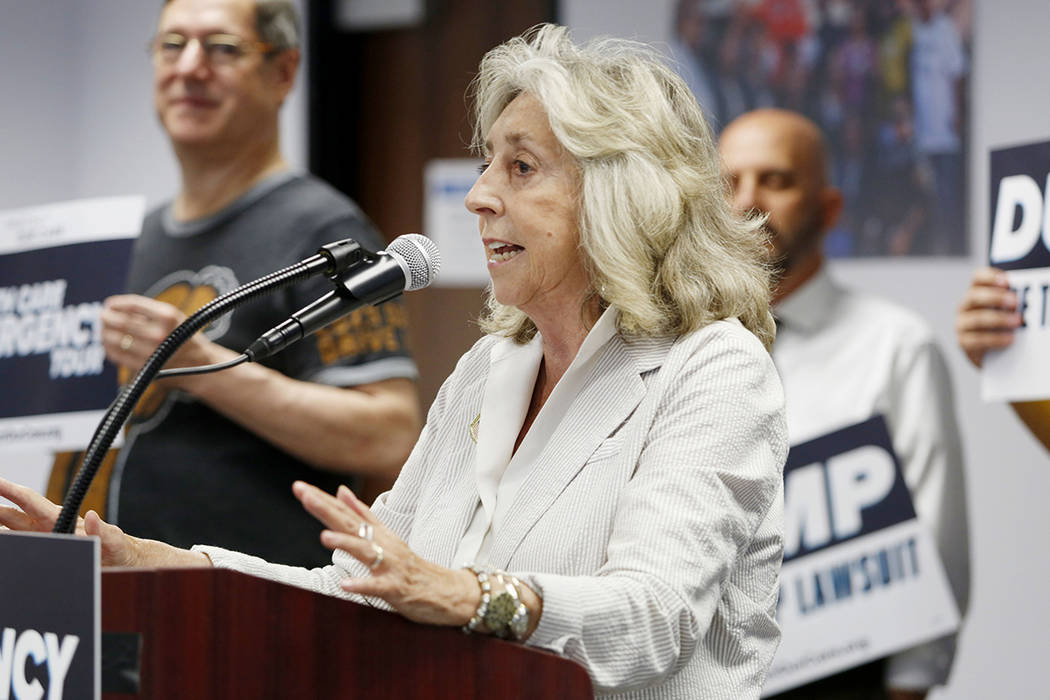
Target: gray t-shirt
(188,475)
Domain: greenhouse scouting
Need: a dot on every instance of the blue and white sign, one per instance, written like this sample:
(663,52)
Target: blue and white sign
(861,577)
(1020,244)
(57,264)
(446,182)
(50,617)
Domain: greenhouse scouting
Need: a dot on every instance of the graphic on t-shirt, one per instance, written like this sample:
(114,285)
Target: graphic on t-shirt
(188,291)
(371,331)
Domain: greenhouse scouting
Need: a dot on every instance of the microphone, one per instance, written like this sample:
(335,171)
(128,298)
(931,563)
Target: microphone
(409,263)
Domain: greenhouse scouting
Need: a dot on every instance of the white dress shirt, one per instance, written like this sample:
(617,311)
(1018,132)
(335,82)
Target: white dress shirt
(844,357)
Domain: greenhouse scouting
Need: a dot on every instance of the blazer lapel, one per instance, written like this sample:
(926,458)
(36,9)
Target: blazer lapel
(608,398)
(444,531)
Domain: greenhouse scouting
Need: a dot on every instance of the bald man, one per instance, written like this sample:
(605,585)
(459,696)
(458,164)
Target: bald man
(845,357)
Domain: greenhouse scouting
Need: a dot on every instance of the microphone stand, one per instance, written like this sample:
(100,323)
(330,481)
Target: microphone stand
(332,260)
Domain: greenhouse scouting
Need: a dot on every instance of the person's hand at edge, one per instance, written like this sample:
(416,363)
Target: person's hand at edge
(988,315)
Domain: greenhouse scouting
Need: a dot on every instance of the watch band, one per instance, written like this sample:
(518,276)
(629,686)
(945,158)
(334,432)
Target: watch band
(486,596)
(501,613)
(502,606)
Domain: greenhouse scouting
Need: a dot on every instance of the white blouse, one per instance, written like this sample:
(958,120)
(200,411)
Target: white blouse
(500,470)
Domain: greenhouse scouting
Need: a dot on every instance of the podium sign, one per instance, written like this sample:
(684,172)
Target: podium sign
(861,577)
(49,617)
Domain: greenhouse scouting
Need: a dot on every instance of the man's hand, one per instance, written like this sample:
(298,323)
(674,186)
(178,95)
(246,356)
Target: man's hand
(133,326)
(988,316)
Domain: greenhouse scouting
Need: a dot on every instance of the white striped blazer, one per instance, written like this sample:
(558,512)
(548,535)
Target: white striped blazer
(650,523)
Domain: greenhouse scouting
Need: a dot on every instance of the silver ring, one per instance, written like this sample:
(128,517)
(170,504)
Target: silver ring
(365,531)
(379,557)
(127,341)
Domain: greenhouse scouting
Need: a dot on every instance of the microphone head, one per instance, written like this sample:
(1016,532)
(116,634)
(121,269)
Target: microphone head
(418,257)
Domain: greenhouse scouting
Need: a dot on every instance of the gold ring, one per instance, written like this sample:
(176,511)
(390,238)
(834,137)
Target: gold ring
(127,341)
(379,557)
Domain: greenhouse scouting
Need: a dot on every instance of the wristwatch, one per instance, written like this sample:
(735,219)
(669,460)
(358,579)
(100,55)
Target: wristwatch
(502,607)
(502,613)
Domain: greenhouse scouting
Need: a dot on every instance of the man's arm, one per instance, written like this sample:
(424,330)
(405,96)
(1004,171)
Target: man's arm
(367,430)
(1035,415)
(926,438)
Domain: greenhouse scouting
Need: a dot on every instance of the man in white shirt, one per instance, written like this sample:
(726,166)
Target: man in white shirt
(845,357)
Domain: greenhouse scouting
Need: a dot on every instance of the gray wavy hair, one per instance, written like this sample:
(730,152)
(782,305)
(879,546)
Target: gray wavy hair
(658,237)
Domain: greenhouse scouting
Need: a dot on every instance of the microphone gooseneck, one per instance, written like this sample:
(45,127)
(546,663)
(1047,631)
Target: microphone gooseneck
(121,408)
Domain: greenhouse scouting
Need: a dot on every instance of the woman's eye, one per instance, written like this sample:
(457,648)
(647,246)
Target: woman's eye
(482,168)
(522,167)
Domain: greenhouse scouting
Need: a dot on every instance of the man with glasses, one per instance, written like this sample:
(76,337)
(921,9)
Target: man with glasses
(211,458)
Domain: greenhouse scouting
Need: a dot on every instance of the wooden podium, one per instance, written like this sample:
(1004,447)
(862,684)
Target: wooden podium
(213,633)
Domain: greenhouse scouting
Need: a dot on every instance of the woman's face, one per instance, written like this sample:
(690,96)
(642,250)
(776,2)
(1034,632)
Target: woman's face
(526,205)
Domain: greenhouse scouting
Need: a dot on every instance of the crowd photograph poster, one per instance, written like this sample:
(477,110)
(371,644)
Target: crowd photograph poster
(886,81)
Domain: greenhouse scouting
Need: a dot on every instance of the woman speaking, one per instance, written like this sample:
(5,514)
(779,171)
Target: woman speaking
(600,476)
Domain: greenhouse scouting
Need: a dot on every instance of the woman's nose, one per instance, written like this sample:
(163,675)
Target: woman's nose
(482,197)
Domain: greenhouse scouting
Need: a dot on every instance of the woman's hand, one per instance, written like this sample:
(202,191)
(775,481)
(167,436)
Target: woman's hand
(37,514)
(988,315)
(419,590)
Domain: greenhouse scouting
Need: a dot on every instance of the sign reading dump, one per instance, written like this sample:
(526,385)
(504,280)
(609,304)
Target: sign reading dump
(1020,244)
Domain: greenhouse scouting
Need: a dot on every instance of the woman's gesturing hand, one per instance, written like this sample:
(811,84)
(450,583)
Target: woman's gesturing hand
(419,590)
(37,514)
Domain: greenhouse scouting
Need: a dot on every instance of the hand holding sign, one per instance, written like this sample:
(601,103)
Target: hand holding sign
(987,316)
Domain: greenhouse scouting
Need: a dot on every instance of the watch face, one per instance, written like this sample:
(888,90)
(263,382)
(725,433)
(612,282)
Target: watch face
(501,609)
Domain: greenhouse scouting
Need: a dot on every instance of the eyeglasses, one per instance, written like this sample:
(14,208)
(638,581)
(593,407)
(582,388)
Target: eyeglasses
(219,49)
